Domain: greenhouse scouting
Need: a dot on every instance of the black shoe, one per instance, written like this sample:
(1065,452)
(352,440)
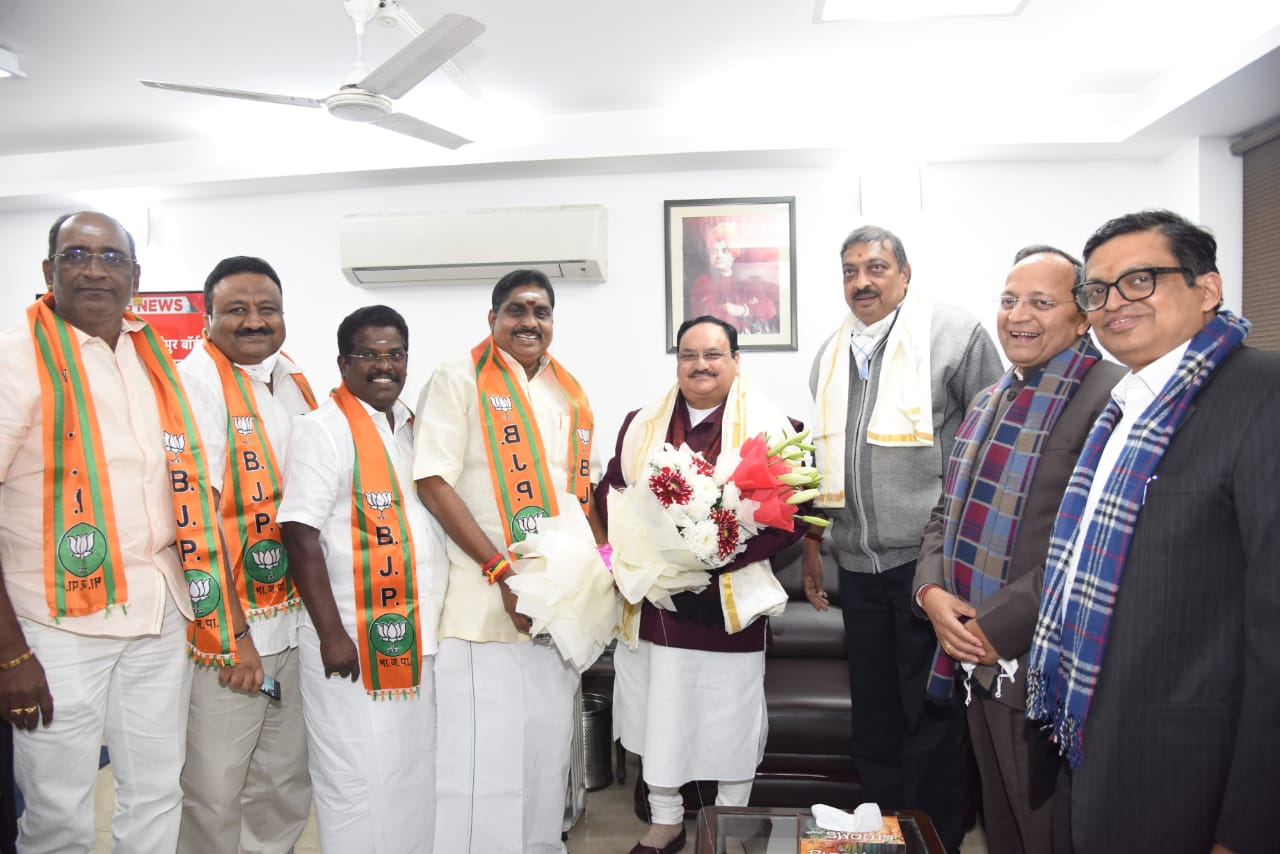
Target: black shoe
(671,847)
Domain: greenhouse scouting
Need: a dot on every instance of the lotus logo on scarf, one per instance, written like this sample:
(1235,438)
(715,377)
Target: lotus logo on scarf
(584,436)
(243,424)
(205,592)
(525,522)
(82,545)
(501,404)
(82,550)
(379,501)
(199,589)
(265,561)
(391,634)
(175,444)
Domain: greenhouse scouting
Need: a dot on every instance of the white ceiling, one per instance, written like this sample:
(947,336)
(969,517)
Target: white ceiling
(583,85)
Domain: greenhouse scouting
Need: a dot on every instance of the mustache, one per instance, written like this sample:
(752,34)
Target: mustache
(703,373)
(868,291)
(247,333)
(528,331)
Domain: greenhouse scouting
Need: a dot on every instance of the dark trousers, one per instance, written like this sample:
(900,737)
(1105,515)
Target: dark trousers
(1007,745)
(909,751)
(8,806)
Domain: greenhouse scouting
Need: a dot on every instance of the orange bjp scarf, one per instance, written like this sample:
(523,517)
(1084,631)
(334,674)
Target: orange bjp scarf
(521,478)
(249,503)
(84,569)
(388,626)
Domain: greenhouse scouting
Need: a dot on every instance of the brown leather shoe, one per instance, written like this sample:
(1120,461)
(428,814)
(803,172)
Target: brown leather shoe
(671,847)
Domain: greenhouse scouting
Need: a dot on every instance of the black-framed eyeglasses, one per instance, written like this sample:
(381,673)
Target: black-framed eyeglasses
(395,357)
(76,257)
(1135,285)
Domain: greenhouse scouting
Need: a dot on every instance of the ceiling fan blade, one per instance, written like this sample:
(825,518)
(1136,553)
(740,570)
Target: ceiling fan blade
(417,128)
(413,62)
(288,100)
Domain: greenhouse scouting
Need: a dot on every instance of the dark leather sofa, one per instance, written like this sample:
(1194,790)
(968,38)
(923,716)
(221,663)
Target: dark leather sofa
(806,686)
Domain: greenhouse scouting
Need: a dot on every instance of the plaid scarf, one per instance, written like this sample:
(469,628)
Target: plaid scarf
(988,479)
(1067,652)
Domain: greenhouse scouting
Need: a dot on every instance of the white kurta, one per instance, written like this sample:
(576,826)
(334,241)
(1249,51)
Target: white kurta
(449,444)
(692,714)
(278,407)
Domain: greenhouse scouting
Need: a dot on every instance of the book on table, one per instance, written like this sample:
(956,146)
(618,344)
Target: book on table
(818,840)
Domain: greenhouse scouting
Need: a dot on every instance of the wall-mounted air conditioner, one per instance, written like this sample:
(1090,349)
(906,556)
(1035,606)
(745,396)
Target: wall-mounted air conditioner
(566,242)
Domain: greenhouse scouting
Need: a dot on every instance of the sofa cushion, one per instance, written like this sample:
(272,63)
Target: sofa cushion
(809,708)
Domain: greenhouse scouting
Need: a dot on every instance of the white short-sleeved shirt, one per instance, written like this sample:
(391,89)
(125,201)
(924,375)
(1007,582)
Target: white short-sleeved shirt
(133,443)
(317,493)
(278,406)
(449,443)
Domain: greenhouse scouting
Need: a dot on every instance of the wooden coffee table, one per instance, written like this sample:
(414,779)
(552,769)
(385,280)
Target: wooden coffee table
(773,830)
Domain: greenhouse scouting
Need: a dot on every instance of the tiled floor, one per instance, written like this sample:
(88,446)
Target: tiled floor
(608,826)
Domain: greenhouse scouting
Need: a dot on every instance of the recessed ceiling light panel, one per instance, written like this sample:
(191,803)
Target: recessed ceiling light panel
(912,10)
(9,64)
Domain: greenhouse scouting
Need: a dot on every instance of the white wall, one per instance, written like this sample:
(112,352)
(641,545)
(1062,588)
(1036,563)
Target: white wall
(960,238)
(1209,182)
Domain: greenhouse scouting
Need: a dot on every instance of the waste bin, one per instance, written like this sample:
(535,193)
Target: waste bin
(575,795)
(597,741)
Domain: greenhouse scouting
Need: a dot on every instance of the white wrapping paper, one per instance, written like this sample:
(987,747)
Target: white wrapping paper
(563,586)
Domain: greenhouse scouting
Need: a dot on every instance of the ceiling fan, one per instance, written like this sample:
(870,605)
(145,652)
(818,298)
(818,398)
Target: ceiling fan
(366,96)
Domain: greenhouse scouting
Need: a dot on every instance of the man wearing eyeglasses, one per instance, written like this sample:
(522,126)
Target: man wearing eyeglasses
(891,387)
(1156,655)
(245,781)
(101,490)
(662,684)
(504,437)
(368,560)
(981,565)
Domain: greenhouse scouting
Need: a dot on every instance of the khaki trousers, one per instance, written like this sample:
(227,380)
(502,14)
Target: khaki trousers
(245,783)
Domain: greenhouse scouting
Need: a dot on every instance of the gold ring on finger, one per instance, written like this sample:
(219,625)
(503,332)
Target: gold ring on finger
(30,710)
(16,712)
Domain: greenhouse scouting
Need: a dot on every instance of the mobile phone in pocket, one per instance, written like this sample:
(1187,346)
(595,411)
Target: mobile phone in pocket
(271,688)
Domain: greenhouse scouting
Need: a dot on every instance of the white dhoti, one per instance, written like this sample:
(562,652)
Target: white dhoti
(132,692)
(372,762)
(505,729)
(691,714)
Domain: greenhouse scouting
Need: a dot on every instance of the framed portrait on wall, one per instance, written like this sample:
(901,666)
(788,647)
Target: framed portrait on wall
(733,259)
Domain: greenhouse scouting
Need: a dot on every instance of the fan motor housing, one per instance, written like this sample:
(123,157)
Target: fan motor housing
(357,105)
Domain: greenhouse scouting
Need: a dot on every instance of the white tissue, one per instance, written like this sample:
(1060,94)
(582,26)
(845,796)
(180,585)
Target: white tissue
(862,820)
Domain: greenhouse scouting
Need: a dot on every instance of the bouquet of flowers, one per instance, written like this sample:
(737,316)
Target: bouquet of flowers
(687,517)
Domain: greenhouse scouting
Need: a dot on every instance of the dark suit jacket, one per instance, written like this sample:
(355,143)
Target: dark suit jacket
(1182,743)
(1008,618)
